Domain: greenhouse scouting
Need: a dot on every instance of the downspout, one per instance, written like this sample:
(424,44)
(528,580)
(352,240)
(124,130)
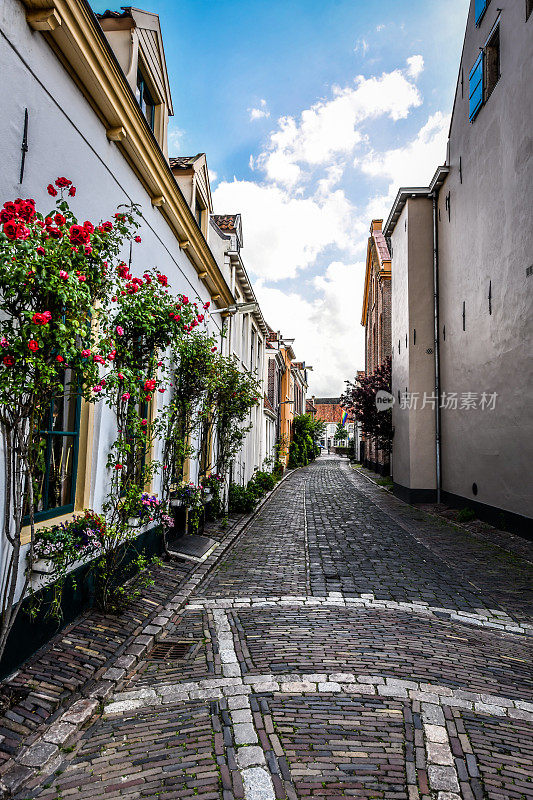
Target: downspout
(438,471)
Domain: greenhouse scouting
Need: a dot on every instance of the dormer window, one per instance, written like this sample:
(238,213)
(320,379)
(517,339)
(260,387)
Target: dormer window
(144,98)
(199,211)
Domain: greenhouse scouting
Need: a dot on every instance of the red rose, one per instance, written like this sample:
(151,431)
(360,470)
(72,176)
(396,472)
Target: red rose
(59,219)
(63,182)
(8,361)
(137,239)
(8,212)
(50,189)
(40,250)
(184,300)
(72,191)
(11,229)
(88,226)
(107,226)
(33,345)
(59,358)
(78,234)
(55,233)
(25,209)
(163,280)
(38,319)
(149,386)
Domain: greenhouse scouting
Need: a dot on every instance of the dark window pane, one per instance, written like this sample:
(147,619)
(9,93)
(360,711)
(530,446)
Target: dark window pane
(64,407)
(60,475)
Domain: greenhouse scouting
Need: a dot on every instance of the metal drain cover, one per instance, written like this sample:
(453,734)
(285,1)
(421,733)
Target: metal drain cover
(171,650)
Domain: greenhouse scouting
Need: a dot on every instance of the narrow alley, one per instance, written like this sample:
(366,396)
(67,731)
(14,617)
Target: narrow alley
(344,645)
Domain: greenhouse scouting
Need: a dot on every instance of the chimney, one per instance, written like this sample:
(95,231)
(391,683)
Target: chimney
(376,225)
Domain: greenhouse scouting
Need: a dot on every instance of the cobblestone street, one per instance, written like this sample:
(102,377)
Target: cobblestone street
(345,645)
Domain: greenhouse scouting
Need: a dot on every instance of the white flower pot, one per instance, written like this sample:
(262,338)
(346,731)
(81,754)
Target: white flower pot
(208,495)
(134,522)
(43,566)
(176,502)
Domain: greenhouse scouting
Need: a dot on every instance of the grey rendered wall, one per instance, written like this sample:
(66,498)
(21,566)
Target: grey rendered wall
(421,363)
(401,455)
(489,238)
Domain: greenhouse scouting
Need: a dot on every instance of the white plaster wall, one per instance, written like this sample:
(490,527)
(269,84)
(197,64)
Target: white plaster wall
(65,137)
(490,238)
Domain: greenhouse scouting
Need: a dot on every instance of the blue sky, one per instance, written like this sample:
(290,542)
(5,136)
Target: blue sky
(311,115)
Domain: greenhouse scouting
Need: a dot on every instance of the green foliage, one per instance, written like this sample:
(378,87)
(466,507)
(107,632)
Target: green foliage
(340,433)
(264,480)
(306,433)
(112,592)
(466,515)
(234,395)
(64,545)
(294,455)
(241,499)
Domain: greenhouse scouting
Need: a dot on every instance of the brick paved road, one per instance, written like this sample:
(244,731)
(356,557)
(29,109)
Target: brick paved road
(346,646)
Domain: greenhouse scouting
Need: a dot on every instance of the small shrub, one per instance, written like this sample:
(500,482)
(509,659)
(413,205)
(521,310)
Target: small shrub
(241,499)
(265,480)
(466,515)
(294,455)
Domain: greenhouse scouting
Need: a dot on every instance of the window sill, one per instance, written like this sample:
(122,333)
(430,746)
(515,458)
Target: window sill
(25,534)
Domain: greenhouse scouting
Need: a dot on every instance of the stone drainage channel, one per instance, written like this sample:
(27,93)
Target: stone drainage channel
(236,690)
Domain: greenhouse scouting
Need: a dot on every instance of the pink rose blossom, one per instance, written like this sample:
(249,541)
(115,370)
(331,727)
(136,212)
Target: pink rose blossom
(120,330)
(126,396)
(63,274)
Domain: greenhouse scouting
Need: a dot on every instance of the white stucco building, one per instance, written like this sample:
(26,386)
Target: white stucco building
(462,327)
(96,97)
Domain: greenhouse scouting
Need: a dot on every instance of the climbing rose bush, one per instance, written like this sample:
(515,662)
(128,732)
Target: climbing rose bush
(53,270)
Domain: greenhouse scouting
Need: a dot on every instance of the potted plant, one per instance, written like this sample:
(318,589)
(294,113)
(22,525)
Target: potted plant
(140,507)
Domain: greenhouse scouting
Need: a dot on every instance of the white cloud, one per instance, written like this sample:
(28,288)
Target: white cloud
(330,128)
(410,165)
(296,215)
(175,136)
(284,233)
(361,46)
(415,65)
(327,330)
(261,112)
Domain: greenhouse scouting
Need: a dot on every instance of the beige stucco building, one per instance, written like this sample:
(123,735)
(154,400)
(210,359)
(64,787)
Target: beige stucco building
(470,343)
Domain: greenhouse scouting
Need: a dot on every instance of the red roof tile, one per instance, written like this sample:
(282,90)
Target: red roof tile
(226,222)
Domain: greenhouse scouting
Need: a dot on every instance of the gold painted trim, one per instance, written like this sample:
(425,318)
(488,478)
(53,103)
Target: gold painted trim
(45,19)
(83,49)
(116,134)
